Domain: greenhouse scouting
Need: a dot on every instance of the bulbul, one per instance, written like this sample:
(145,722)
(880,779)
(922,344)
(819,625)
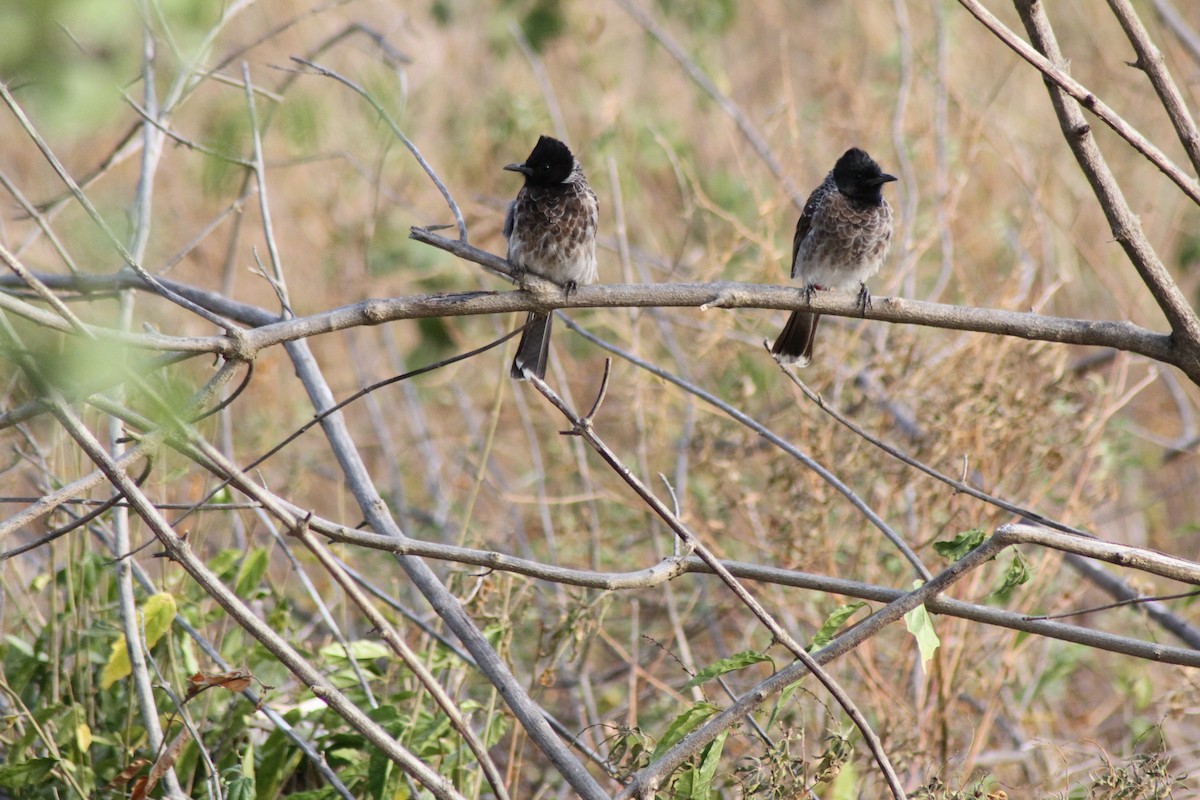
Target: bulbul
(551,232)
(841,239)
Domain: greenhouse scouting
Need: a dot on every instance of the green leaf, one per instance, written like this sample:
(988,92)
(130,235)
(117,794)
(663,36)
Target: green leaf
(223,563)
(734,662)
(695,782)
(250,573)
(117,666)
(379,774)
(960,545)
(241,788)
(20,645)
(1018,574)
(279,760)
(682,725)
(787,692)
(710,758)
(248,761)
(158,612)
(832,624)
(26,773)
(920,625)
(359,650)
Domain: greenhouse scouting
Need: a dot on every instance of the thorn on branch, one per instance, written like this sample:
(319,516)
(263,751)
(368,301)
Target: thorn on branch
(300,529)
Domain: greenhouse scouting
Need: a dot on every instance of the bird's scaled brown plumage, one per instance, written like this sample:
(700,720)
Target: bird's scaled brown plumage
(842,238)
(551,232)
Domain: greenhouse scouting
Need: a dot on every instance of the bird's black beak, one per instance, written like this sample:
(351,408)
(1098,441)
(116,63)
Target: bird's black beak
(884,178)
(526,171)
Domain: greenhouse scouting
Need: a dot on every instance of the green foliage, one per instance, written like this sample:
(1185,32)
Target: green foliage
(783,770)
(26,774)
(94,740)
(683,724)
(960,545)
(628,750)
(250,573)
(695,780)
(920,625)
(735,662)
(1016,575)
(834,623)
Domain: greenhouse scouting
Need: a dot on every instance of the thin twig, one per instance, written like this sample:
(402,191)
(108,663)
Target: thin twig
(669,569)
(446,605)
(278,282)
(399,134)
(957,484)
(1133,601)
(795,452)
(652,776)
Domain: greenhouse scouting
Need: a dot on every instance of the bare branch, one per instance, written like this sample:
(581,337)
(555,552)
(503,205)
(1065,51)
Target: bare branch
(82,199)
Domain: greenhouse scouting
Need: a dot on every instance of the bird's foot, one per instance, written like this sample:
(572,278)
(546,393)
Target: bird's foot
(864,298)
(810,290)
(569,288)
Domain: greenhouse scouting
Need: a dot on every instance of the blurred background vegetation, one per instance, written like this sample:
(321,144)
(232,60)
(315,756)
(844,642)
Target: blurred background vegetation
(991,211)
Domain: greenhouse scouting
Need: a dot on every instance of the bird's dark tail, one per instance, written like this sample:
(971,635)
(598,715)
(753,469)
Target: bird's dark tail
(795,344)
(534,347)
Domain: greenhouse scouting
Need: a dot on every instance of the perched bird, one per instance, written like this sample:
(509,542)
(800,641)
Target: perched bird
(551,232)
(841,239)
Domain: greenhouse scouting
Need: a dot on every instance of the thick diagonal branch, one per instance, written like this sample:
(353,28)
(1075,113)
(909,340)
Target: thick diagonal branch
(1066,95)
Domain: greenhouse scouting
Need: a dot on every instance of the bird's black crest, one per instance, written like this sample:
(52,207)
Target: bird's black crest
(550,162)
(857,175)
